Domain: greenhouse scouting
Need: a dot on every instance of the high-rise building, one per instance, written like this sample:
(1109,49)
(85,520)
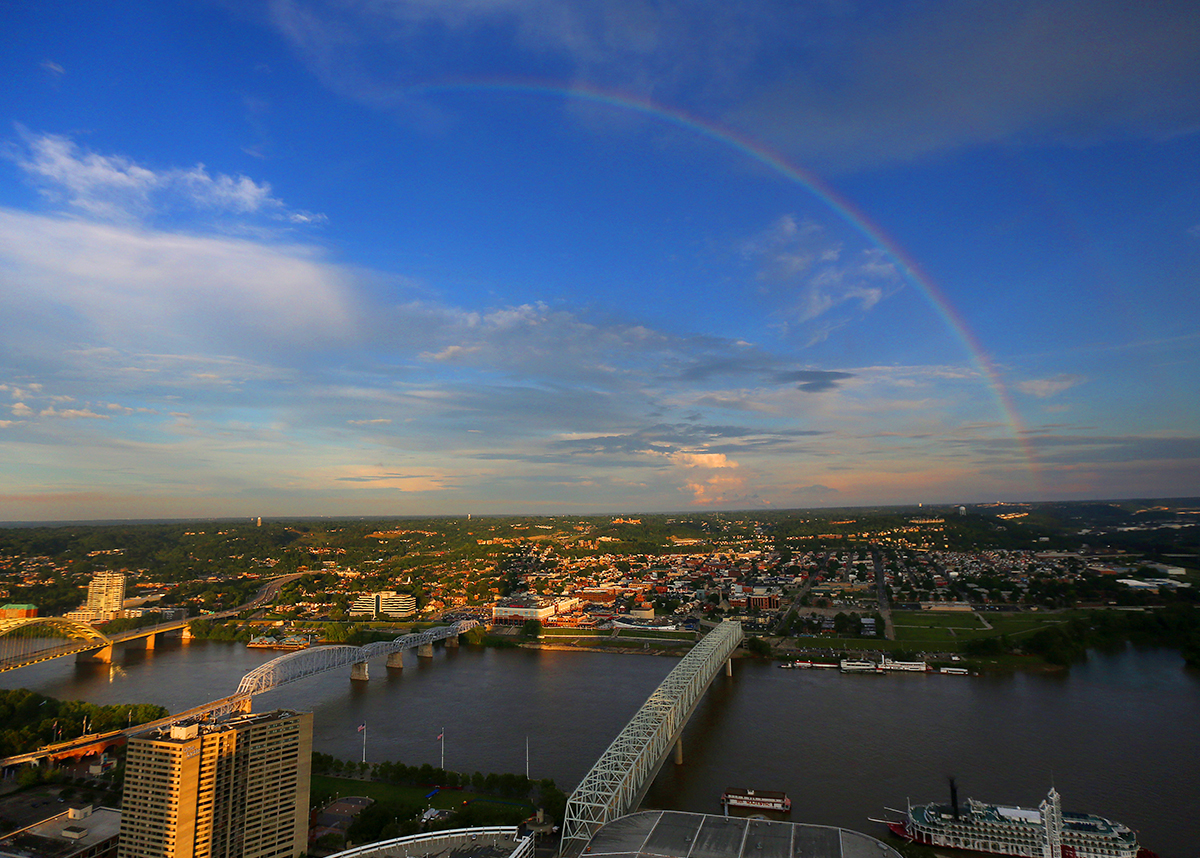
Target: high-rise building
(232,789)
(106,593)
(105,598)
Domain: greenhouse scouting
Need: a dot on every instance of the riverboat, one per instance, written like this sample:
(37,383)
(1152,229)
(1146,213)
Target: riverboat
(910,666)
(800,664)
(757,799)
(852,665)
(1043,832)
(290,643)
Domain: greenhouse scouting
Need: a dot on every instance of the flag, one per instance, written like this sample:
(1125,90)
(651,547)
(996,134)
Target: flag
(362,727)
(440,735)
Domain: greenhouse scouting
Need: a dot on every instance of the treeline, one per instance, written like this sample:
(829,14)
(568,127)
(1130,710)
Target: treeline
(503,786)
(384,819)
(1176,626)
(229,630)
(30,720)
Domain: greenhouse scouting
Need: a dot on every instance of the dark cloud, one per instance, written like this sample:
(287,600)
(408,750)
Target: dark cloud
(934,77)
(812,380)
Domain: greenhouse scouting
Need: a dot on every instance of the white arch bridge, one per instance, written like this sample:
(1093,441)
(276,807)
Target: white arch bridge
(618,781)
(318,659)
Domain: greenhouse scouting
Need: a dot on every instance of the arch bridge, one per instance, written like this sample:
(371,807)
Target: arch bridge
(16,634)
(618,781)
(314,660)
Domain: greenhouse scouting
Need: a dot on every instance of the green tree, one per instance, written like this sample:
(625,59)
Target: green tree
(531,629)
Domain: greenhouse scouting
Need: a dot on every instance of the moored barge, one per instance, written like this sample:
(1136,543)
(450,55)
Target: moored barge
(757,799)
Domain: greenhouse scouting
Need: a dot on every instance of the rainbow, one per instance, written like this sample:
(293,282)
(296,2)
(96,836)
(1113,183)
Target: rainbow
(756,151)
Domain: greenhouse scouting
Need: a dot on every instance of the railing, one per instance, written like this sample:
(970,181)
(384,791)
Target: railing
(439,841)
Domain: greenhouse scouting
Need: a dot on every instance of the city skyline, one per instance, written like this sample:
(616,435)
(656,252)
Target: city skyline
(310,258)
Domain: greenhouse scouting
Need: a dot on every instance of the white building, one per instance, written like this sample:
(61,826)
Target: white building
(387,602)
(106,595)
(518,609)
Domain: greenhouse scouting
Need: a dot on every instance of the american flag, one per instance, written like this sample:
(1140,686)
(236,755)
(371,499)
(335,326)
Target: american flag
(440,735)
(362,727)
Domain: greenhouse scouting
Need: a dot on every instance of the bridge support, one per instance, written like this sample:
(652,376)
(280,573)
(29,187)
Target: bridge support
(358,673)
(102,655)
(395,660)
(150,641)
(452,641)
(679,751)
(425,650)
(729,667)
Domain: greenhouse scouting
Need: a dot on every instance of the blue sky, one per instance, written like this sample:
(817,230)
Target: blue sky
(305,257)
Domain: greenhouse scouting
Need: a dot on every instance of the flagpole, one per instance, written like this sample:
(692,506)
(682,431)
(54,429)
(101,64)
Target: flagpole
(526,756)
(443,738)
(364,756)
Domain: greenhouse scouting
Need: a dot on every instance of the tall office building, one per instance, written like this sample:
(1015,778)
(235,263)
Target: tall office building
(234,789)
(105,598)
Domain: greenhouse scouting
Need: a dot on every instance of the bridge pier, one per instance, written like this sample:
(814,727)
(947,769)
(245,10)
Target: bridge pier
(679,751)
(358,673)
(729,667)
(425,650)
(101,655)
(150,641)
(395,660)
(452,641)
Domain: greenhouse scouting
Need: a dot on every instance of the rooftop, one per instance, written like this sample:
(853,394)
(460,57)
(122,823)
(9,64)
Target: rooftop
(674,834)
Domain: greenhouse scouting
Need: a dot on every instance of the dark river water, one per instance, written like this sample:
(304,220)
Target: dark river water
(1118,735)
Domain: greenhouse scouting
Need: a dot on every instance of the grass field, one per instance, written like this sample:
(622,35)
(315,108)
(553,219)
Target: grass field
(937,619)
(574,633)
(638,633)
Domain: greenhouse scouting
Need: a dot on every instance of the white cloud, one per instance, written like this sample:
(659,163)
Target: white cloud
(53,67)
(808,273)
(117,188)
(1044,388)
(20,409)
(140,290)
(72,414)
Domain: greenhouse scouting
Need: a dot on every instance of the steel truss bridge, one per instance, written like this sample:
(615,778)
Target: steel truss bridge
(318,659)
(618,781)
(279,671)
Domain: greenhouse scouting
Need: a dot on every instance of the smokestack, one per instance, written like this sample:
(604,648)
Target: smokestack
(954,797)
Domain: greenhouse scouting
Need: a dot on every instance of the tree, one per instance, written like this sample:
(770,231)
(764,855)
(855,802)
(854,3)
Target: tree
(758,647)
(531,629)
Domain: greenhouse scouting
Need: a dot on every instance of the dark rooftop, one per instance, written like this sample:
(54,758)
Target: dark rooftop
(673,834)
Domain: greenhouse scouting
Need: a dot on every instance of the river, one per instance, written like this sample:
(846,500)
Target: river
(1116,735)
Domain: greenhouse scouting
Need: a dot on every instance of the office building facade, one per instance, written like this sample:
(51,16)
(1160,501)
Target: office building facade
(387,602)
(234,789)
